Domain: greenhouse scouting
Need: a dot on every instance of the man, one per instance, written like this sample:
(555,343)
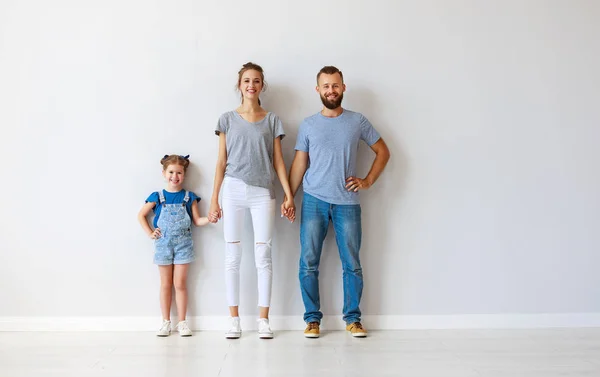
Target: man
(329,141)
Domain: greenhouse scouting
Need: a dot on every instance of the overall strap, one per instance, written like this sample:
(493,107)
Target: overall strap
(187,198)
(161,196)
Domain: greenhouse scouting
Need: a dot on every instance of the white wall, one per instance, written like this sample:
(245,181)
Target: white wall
(490,204)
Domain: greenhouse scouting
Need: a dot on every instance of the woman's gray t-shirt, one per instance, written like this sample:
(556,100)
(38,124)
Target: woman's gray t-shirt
(250,148)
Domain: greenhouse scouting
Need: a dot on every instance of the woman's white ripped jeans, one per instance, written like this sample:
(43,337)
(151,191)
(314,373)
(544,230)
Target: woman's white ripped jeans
(237,198)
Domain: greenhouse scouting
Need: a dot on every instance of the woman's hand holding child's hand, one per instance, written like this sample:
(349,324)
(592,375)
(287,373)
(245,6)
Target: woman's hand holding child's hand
(214,212)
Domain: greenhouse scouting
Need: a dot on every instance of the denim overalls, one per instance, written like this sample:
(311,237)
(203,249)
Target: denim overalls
(175,245)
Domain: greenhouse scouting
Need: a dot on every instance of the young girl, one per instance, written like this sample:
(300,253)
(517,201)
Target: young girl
(175,209)
(249,158)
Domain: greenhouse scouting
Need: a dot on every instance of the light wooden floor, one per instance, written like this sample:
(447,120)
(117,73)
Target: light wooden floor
(439,353)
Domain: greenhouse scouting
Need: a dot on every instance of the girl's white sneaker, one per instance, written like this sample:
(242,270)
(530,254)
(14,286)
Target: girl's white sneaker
(165,329)
(183,329)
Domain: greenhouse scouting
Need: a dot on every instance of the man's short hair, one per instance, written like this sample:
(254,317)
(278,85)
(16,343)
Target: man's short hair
(329,70)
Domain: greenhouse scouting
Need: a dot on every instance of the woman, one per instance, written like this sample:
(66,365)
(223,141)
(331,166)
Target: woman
(249,157)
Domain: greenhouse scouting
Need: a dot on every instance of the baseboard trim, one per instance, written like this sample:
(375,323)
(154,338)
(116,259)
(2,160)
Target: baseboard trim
(372,322)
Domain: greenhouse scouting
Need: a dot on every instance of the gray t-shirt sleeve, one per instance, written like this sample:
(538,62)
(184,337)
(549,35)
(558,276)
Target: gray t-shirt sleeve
(302,139)
(222,125)
(277,128)
(367,132)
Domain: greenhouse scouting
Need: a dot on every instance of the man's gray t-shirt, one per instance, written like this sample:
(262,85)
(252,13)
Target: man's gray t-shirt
(332,146)
(250,148)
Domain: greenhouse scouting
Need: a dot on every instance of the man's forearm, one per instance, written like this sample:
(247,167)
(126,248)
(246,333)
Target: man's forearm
(381,160)
(297,171)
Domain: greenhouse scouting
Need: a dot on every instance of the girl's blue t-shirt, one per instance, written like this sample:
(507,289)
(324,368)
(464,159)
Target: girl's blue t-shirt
(172,198)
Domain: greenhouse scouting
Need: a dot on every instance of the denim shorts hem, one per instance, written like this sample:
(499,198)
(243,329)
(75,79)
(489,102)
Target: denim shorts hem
(184,261)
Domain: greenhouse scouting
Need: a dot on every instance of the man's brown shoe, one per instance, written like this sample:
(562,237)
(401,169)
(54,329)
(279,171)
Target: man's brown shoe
(312,330)
(357,330)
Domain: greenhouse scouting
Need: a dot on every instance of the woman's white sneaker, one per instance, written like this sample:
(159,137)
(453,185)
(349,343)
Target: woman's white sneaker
(264,330)
(184,329)
(236,330)
(165,329)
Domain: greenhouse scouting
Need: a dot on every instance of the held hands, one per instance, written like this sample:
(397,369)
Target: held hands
(214,212)
(355,184)
(288,209)
(156,234)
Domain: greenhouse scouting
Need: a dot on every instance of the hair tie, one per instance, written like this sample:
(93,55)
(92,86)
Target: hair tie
(185,157)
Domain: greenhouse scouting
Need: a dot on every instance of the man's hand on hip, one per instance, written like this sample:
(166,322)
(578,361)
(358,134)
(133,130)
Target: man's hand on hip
(355,184)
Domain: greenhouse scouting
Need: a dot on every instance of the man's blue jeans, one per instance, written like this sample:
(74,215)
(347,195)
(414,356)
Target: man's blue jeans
(316,215)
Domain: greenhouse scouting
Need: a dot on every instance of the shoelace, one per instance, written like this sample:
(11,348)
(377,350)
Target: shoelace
(235,327)
(183,326)
(165,326)
(358,326)
(313,326)
(263,325)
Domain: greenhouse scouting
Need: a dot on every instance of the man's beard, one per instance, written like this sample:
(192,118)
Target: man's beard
(332,104)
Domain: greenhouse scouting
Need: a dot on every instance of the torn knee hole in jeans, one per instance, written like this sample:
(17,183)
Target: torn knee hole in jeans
(233,242)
